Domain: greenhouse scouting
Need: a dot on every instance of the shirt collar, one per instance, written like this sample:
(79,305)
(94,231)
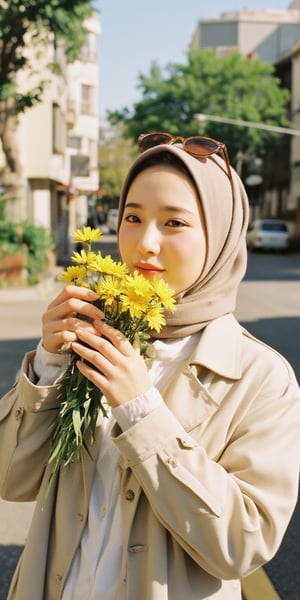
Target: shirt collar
(219,347)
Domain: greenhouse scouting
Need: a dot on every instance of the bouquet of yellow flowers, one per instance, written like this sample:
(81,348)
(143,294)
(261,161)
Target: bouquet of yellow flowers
(133,305)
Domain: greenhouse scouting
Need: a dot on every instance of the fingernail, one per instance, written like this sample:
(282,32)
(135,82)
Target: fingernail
(64,347)
(99,315)
(93,294)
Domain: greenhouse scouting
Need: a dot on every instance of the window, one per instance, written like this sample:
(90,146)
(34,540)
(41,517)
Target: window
(89,50)
(274,227)
(87,99)
(74,141)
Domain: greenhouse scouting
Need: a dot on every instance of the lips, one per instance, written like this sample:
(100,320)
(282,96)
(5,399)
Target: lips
(148,269)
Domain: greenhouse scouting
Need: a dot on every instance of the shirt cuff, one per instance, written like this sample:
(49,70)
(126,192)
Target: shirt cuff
(48,366)
(131,412)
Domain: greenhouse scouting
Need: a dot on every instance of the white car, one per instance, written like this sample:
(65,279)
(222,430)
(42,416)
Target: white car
(112,220)
(268,234)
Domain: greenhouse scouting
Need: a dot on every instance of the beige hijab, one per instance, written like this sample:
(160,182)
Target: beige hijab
(225,210)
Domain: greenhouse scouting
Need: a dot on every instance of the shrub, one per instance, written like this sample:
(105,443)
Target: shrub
(39,242)
(26,238)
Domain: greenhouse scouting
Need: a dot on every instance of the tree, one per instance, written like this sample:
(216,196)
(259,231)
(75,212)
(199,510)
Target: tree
(233,86)
(34,24)
(115,157)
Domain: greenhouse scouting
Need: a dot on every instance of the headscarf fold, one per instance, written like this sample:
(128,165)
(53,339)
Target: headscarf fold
(226,210)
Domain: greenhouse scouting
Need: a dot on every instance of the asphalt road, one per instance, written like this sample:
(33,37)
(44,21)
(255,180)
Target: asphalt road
(268,305)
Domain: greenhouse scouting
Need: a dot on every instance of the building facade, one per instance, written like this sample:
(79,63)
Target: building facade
(268,33)
(274,36)
(58,141)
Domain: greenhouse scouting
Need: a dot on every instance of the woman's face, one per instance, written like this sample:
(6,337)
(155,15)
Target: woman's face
(162,232)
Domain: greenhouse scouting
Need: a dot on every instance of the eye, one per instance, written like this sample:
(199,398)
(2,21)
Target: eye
(175,223)
(132,219)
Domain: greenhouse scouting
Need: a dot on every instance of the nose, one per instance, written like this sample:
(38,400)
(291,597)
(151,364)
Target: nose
(149,241)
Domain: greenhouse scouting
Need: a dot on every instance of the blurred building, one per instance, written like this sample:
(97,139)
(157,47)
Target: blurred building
(274,36)
(82,120)
(268,33)
(58,140)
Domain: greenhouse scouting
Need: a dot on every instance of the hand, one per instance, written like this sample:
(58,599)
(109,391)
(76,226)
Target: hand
(60,323)
(118,369)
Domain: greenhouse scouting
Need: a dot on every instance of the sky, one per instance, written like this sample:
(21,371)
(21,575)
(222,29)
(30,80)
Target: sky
(136,32)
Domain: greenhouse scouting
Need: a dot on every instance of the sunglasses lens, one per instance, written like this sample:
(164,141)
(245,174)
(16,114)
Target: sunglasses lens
(201,146)
(153,139)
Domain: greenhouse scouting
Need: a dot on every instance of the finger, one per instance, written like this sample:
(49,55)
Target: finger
(57,335)
(74,291)
(59,342)
(97,378)
(70,308)
(69,324)
(116,337)
(100,346)
(94,358)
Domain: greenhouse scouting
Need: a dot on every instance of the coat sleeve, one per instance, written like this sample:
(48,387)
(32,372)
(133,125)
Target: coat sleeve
(26,414)
(229,513)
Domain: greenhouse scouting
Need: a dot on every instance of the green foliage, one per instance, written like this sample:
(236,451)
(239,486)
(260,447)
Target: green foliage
(2,208)
(115,157)
(234,86)
(39,241)
(26,238)
(21,20)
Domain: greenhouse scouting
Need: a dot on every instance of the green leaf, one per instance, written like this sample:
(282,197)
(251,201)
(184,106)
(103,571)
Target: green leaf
(77,423)
(55,451)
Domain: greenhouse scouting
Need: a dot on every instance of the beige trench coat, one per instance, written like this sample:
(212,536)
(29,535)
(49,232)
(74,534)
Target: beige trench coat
(208,485)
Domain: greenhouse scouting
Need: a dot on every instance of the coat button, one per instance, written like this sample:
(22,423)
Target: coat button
(129,495)
(172,462)
(19,412)
(58,578)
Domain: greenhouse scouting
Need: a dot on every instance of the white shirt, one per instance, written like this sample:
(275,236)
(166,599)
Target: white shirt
(96,565)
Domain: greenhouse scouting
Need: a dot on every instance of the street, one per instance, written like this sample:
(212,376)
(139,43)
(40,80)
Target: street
(268,305)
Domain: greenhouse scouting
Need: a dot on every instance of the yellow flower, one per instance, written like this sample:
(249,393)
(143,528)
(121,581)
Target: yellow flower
(84,258)
(164,293)
(132,304)
(87,235)
(139,284)
(74,275)
(136,295)
(105,264)
(108,289)
(155,317)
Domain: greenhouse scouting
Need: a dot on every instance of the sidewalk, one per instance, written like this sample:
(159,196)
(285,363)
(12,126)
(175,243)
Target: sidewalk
(42,290)
(20,318)
(50,284)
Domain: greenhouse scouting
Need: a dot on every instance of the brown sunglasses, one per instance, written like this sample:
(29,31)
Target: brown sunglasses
(198,146)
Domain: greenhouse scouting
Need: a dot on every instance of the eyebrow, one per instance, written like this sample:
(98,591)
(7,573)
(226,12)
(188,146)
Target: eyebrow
(173,209)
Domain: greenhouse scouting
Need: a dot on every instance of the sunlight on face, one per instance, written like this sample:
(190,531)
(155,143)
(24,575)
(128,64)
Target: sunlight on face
(162,232)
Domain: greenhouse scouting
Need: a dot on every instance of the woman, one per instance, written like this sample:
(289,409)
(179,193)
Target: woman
(195,474)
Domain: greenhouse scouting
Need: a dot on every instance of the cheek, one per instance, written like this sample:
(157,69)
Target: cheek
(125,241)
(188,260)
(190,250)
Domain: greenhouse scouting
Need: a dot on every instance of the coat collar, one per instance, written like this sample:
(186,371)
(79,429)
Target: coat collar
(219,347)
